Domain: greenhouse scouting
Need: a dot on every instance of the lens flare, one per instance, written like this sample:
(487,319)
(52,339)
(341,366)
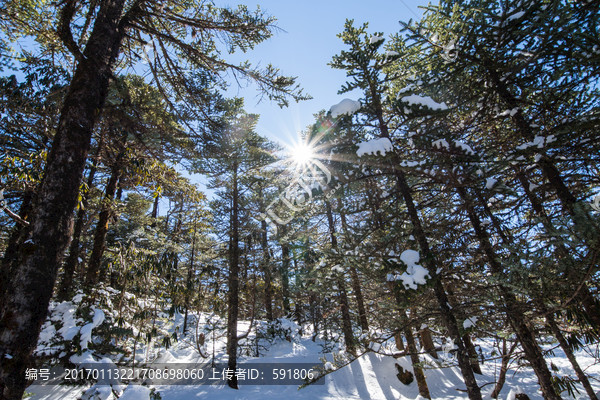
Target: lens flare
(302,153)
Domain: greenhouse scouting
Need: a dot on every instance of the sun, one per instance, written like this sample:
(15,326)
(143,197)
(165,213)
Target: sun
(302,153)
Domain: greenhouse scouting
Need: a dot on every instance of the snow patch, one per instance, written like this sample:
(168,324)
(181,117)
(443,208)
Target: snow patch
(469,322)
(86,331)
(376,39)
(490,182)
(414,275)
(424,101)
(136,392)
(440,144)
(344,107)
(381,145)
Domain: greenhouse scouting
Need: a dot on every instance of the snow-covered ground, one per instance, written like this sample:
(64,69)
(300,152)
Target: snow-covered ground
(371,376)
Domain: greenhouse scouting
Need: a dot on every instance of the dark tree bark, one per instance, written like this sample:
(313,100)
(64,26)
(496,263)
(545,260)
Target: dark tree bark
(284,272)
(360,302)
(472,354)
(448,317)
(416,363)
(514,310)
(506,354)
(572,269)
(583,379)
(18,235)
(104,218)
(188,281)
(427,342)
(429,259)
(398,340)
(36,264)
(233,296)
(266,260)
(72,261)
(584,225)
(344,305)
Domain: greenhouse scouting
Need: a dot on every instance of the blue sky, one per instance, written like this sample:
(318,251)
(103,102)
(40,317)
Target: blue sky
(304,46)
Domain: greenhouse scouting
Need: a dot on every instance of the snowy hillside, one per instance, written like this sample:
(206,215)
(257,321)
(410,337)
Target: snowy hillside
(371,376)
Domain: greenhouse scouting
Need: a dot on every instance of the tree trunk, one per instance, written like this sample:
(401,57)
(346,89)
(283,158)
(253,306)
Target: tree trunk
(472,354)
(360,302)
(584,225)
(416,363)
(570,356)
(345,307)
(74,249)
(514,311)
(104,219)
(448,317)
(188,282)
(285,270)
(590,305)
(427,342)
(398,340)
(37,264)
(18,235)
(266,259)
(429,259)
(506,354)
(233,281)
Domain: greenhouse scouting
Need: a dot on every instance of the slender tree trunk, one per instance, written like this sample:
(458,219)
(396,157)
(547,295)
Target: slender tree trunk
(104,219)
(36,270)
(584,225)
(72,261)
(266,261)
(188,282)
(416,363)
(472,354)
(285,270)
(448,317)
(514,311)
(570,356)
(590,305)
(360,302)
(506,354)
(398,340)
(429,259)
(345,308)
(427,342)
(233,281)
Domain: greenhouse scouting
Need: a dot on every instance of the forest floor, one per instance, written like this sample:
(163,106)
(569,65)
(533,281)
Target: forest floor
(370,376)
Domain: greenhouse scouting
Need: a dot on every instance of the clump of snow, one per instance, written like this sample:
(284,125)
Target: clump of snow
(376,39)
(409,257)
(328,366)
(516,15)
(539,141)
(490,182)
(414,275)
(98,392)
(506,113)
(86,331)
(424,101)
(381,145)
(440,144)
(344,107)
(469,322)
(337,268)
(464,147)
